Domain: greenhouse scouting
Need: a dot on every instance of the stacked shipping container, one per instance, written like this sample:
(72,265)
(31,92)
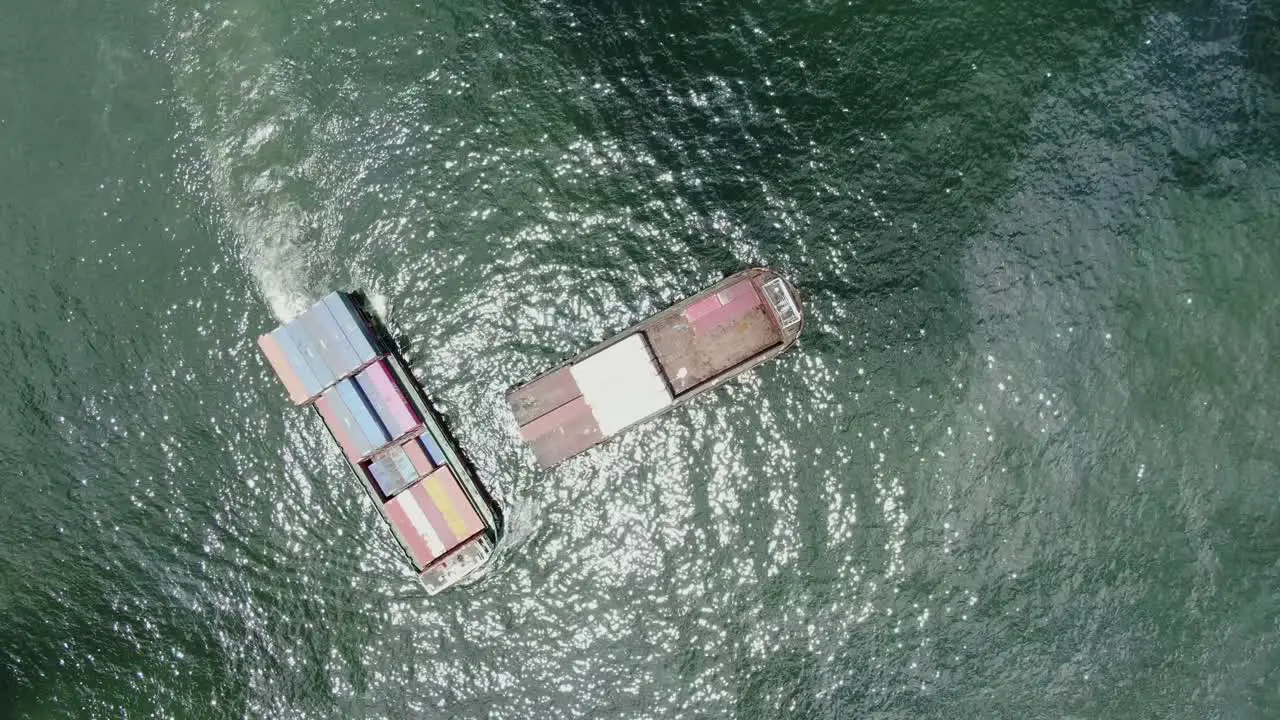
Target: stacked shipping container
(331,358)
(314,351)
(437,512)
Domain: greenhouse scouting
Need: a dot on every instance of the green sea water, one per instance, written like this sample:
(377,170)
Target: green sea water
(1022,464)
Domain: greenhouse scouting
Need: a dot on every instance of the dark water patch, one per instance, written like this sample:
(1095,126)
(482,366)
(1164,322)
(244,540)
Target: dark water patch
(798,104)
(106,648)
(1261,41)
(1112,486)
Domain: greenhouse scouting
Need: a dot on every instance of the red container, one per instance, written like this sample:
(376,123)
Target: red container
(544,395)
(418,457)
(567,430)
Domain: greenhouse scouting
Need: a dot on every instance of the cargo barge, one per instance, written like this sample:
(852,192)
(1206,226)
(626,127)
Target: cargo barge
(336,359)
(660,363)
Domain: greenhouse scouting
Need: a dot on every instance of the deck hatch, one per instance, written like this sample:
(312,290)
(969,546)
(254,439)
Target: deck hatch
(622,384)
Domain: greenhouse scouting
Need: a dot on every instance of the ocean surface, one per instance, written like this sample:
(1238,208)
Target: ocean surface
(1023,463)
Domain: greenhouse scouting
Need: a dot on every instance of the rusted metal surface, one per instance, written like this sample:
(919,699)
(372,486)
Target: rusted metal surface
(543,395)
(716,341)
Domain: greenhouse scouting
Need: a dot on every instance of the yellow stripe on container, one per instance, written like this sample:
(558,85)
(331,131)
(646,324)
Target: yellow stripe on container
(441,499)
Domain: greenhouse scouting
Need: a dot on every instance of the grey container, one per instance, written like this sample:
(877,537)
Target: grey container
(310,353)
(335,349)
(353,326)
(298,361)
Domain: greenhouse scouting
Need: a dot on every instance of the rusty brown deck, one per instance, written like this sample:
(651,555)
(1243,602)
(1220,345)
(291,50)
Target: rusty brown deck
(532,401)
(690,355)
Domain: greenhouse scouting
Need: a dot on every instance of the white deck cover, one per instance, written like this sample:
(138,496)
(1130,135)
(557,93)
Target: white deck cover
(622,384)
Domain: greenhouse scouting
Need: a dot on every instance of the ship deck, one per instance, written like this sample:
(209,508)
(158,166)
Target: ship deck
(710,337)
(694,349)
(438,512)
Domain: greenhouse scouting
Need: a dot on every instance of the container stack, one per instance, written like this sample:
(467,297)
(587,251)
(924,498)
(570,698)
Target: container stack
(622,384)
(404,463)
(329,357)
(434,516)
(387,399)
(326,344)
(394,471)
(356,425)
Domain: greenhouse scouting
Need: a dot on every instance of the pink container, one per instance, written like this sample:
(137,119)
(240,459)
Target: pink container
(706,305)
(735,291)
(332,418)
(393,407)
(418,457)
(445,492)
(280,364)
(426,527)
(738,307)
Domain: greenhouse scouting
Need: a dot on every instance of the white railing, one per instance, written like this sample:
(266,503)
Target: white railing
(457,566)
(775,291)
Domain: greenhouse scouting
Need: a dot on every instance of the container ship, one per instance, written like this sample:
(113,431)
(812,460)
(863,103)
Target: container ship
(661,362)
(336,359)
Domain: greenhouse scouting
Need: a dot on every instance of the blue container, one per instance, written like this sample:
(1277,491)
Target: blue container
(297,361)
(335,349)
(359,407)
(382,474)
(340,415)
(393,471)
(433,449)
(310,353)
(404,466)
(389,480)
(375,401)
(348,319)
(380,407)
